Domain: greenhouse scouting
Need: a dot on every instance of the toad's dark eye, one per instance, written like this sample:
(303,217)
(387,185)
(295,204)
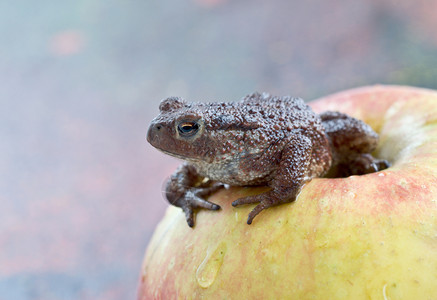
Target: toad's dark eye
(187,129)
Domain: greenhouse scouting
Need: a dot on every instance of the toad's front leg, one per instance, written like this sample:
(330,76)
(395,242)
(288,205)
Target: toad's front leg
(288,179)
(187,189)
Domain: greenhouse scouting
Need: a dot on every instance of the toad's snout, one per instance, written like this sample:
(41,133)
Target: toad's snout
(155,130)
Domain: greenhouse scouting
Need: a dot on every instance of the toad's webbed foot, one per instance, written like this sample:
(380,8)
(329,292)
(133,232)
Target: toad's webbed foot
(264,200)
(361,165)
(194,199)
(377,165)
(187,190)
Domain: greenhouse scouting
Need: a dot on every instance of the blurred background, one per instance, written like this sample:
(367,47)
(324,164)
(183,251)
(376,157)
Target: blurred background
(80,188)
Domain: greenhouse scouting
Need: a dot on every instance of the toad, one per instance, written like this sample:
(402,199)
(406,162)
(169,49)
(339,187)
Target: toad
(260,140)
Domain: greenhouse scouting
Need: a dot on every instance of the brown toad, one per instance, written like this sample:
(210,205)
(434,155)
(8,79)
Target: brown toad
(259,140)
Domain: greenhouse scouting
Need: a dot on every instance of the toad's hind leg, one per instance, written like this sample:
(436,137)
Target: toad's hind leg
(360,165)
(351,141)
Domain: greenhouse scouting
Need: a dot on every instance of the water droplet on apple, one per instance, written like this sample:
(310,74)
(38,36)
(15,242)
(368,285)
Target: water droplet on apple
(208,269)
(384,292)
(237,216)
(381,174)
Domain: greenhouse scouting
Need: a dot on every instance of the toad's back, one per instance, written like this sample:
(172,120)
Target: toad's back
(252,133)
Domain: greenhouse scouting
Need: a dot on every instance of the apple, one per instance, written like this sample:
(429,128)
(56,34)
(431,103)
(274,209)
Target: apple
(362,237)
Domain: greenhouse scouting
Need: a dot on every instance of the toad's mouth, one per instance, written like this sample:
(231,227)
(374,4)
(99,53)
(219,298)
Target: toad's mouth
(176,155)
(183,157)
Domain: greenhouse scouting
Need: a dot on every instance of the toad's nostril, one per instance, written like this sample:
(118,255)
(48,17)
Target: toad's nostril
(158,127)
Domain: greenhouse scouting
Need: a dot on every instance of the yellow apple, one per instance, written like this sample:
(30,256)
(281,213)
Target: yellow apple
(363,237)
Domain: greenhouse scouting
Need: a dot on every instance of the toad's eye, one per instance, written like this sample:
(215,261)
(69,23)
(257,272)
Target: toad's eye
(188,129)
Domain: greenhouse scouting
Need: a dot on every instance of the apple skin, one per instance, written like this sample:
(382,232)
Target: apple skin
(362,237)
